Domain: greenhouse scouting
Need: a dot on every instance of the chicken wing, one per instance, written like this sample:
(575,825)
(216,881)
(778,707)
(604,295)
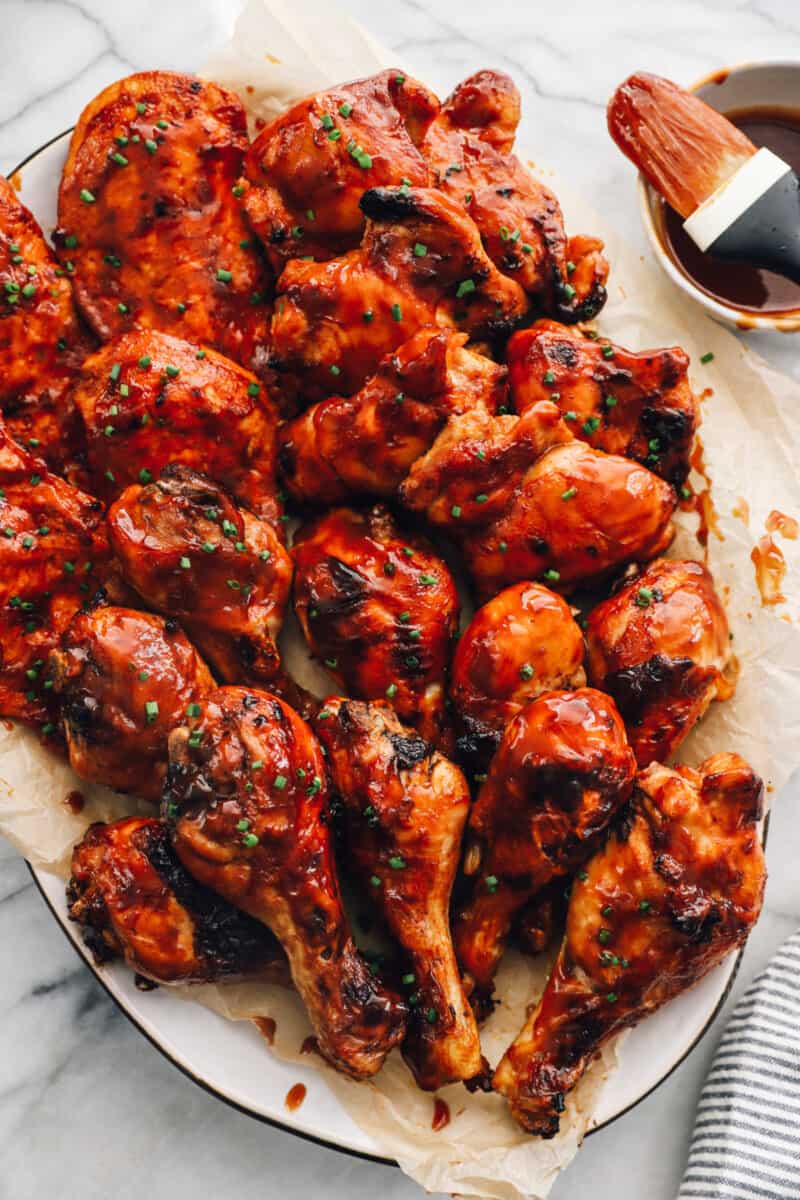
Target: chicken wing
(365,444)
(561,771)
(150,215)
(191,553)
(660,646)
(42,342)
(406,807)
(247,801)
(133,899)
(309,168)
(468,146)
(148,399)
(125,679)
(639,405)
(420,263)
(380,610)
(522,643)
(53,558)
(525,500)
(677,886)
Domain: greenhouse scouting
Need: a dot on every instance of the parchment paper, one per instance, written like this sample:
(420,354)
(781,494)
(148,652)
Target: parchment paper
(751,435)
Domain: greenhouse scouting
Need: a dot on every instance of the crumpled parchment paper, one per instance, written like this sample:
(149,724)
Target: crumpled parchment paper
(751,454)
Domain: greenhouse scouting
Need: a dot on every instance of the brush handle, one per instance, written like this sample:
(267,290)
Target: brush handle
(767,234)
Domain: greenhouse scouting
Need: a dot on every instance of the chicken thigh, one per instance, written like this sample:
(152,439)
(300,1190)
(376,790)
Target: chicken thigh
(468,147)
(365,444)
(561,771)
(191,553)
(420,263)
(54,557)
(522,643)
(150,215)
(42,342)
(639,405)
(660,646)
(308,169)
(133,898)
(247,801)
(125,680)
(678,885)
(148,399)
(380,610)
(526,500)
(406,807)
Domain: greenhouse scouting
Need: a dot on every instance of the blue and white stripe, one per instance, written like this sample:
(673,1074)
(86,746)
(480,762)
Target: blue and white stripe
(746,1143)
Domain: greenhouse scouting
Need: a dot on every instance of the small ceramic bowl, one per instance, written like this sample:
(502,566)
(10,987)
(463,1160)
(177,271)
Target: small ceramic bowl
(748,85)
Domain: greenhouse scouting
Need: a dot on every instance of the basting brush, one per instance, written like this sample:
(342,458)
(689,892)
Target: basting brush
(738,202)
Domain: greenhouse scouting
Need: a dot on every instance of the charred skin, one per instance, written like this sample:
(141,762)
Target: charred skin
(561,772)
(660,646)
(380,610)
(366,444)
(54,558)
(639,405)
(334,321)
(147,399)
(308,169)
(192,553)
(677,886)
(405,810)
(520,644)
(133,899)
(125,679)
(526,501)
(42,342)
(468,147)
(247,802)
(150,216)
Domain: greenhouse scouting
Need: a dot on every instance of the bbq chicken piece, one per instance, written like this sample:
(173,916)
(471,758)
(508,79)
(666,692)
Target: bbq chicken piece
(309,168)
(247,801)
(54,557)
(522,643)
(125,679)
(639,405)
(406,807)
(365,444)
(561,772)
(660,647)
(134,899)
(525,500)
(380,610)
(148,399)
(677,886)
(468,147)
(150,215)
(191,553)
(42,342)
(420,263)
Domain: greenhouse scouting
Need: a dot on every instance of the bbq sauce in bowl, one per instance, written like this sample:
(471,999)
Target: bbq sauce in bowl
(748,288)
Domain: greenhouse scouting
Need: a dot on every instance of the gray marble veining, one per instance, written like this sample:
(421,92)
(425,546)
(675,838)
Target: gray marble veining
(87,1107)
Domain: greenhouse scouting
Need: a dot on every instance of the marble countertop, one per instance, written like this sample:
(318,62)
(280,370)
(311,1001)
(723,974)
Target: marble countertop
(87,1107)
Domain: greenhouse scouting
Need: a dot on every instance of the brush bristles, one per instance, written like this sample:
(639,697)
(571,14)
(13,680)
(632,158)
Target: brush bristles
(680,144)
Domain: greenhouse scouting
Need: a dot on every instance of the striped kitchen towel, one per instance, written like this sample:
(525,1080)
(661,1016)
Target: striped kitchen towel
(746,1143)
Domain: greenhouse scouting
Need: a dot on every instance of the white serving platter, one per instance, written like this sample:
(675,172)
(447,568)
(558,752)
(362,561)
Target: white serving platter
(230,1058)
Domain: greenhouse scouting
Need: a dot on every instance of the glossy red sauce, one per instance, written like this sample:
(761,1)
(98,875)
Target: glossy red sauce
(749,288)
(295,1096)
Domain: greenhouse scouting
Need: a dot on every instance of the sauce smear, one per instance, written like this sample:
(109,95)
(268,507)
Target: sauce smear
(74,802)
(266,1027)
(745,287)
(770,568)
(778,522)
(295,1096)
(441,1115)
